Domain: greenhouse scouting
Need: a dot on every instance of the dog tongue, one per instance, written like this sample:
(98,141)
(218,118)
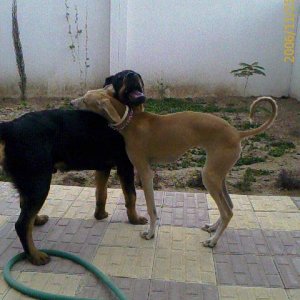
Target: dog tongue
(135,95)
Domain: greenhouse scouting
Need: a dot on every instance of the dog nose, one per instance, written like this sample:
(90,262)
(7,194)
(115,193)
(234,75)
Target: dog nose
(72,103)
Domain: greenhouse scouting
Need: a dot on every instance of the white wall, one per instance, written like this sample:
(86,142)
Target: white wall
(45,40)
(295,81)
(198,42)
(192,45)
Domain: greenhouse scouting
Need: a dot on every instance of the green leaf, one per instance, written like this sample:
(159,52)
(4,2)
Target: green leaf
(259,72)
(244,64)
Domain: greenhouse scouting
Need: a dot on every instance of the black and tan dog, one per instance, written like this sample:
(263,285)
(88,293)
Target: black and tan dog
(151,138)
(33,146)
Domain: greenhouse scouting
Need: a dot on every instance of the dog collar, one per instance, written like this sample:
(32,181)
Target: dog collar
(124,121)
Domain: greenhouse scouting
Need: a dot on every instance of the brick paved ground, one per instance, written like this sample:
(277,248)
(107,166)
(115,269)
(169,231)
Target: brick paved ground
(258,257)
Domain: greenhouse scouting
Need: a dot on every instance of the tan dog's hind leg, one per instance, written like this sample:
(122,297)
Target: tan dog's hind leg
(101,178)
(213,227)
(214,173)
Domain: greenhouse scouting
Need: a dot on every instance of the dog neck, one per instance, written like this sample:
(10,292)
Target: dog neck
(125,120)
(125,112)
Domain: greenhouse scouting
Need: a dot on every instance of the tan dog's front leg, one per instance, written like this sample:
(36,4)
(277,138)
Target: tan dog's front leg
(146,175)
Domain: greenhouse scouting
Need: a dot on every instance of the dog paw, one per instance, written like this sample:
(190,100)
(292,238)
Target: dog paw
(39,258)
(209,243)
(208,228)
(138,220)
(100,215)
(41,220)
(147,235)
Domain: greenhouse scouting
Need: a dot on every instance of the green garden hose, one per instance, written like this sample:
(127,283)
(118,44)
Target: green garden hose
(48,296)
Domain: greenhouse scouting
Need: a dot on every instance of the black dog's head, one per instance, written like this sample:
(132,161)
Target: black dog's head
(128,86)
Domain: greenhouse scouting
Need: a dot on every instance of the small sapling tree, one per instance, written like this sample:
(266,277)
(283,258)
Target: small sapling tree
(248,70)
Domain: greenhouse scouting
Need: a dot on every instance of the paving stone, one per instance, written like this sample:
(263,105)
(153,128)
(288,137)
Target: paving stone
(182,238)
(289,269)
(251,293)
(184,209)
(260,248)
(3,285)
(242,241)
(240,219)
(296,201)
(283,242)
(120,213)
(125,261)
(135,289)
(240,202)
(47,282)
(9,245)
(140,198)
(80,237)
(81,209)
(180,256)
(279,220)
(172,290)
(294,294)
(55,208)
(273,203)
(88,194)
(126,235)
(63,192)
(190,200)
(246,270)
(10,200)
(3,220)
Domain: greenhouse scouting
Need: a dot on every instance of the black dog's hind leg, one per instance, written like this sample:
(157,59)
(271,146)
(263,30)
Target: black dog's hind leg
(39,219)
(33,196)
(101,178)
(126,175)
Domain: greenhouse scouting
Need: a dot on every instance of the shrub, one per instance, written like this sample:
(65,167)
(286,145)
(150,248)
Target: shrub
(249,160)
(288,180)
(279,148)
(245,184)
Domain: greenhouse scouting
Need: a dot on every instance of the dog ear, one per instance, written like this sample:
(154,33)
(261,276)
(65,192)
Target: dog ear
(108,80)
(108,111)
(141,79)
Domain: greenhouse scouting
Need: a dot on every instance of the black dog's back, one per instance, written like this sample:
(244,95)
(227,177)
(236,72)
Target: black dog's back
(77,140)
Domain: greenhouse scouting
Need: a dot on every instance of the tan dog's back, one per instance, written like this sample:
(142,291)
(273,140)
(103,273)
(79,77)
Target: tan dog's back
(167,137)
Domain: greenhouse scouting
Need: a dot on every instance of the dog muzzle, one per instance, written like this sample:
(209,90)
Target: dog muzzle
(136,98)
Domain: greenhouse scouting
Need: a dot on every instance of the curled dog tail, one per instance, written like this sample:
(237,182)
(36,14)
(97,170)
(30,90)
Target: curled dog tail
(267,124)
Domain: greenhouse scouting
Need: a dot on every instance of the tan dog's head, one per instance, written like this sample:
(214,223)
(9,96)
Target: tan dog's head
(100,101)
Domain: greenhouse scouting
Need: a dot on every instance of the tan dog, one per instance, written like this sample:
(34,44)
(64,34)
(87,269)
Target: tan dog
(152,138)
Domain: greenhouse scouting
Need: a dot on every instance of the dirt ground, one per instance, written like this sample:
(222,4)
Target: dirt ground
(184,175)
